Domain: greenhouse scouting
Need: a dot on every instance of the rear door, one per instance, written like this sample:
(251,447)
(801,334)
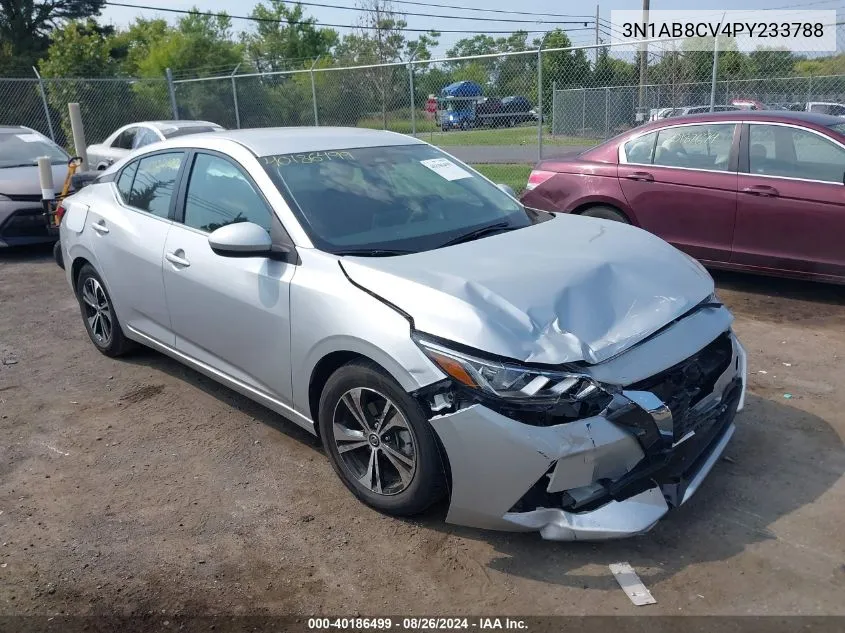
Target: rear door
(130,237)
(680,183)
(791,211)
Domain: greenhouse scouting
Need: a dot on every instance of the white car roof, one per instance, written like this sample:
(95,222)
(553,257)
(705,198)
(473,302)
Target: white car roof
(293,140)
(163,125)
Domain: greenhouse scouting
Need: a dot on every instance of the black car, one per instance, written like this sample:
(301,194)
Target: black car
(21,214)
(516,109)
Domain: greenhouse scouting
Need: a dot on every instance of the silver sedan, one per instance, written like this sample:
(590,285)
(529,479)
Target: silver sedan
(567,375)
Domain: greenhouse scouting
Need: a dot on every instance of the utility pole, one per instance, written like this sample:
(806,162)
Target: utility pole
(597,35)
(641,114)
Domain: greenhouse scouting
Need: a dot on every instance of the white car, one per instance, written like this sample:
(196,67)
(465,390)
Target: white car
(130,137)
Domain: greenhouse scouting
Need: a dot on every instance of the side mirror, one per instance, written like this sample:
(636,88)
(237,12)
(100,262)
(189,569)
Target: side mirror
(241,239)
(507,189)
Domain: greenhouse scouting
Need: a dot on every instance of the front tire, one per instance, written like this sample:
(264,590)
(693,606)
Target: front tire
(606,213)
(379,441)
(98,314)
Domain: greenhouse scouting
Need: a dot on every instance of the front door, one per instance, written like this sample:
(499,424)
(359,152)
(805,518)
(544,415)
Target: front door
(231,313)
(680,183)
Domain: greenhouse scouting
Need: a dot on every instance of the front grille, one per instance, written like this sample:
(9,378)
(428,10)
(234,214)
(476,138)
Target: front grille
(25,223)
(683,385)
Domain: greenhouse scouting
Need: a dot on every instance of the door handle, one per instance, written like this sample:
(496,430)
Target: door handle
(761,190)
(174,259)
(643,176)
(100,227)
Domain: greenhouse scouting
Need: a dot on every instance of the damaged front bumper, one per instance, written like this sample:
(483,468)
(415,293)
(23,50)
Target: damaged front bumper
(607,476)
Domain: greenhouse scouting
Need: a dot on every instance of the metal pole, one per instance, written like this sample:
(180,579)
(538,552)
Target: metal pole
(606,112)
(413,104)
(172,92)
(554,106)
(235,98)
(45,177)
(715,72)
(597,36)
(643,68)
(314,93)
(78,132)
(540,98)
(44,102)
(583,109)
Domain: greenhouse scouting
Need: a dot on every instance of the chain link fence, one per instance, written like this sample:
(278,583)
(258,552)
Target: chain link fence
(500,112)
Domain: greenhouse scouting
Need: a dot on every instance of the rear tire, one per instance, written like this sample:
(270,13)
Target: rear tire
(98,314)
(606,213)
(390,461)
(57,255)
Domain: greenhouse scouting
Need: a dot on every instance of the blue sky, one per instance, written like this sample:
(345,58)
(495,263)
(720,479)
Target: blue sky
(121,16)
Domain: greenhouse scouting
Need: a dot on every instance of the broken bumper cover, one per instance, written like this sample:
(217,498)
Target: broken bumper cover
(608,476)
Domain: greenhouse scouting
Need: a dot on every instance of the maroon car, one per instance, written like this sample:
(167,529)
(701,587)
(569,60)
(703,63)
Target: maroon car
(760,191)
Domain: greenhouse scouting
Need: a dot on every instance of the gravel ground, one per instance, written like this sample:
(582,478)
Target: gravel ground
(134,486)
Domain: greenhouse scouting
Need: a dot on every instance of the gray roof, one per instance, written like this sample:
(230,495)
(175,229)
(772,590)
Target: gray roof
(291,140)
(179,124)
(11,129)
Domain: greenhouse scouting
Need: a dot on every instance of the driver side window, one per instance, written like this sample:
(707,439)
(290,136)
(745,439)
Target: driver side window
(219,193)
(144,137)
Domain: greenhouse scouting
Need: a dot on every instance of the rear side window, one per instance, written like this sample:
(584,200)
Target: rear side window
(640,149)
(695,146)
(124,181)
(155,180)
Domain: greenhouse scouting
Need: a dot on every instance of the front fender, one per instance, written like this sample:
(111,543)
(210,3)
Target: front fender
(329,314)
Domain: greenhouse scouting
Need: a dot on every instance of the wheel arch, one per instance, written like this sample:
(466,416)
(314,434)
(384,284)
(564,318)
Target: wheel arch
(584,206)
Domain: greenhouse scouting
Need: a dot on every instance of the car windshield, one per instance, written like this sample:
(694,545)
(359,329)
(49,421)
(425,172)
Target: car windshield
(24,148)
(403,198)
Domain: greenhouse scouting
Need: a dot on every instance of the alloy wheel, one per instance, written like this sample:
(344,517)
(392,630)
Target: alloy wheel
(98,311)
(375,441)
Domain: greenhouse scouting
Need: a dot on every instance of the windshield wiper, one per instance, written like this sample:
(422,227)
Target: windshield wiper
(372,252)
(32,164)
(481,232)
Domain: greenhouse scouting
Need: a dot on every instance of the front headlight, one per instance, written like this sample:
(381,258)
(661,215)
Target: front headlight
(510,381)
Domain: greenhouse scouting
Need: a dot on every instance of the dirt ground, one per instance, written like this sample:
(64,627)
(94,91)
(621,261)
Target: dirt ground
(135,486)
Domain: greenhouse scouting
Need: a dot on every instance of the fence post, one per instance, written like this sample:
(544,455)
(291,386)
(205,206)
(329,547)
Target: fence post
(172,92)
(413,101)
(235,98)
(540,99)
(810,88)
(314,92)
(554,105)
(44,102)
(606,111)
(715,72)
(583,109)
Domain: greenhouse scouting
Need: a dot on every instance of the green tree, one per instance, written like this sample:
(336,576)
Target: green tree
(286,41)
(80,54)
(379,40)
(26,26)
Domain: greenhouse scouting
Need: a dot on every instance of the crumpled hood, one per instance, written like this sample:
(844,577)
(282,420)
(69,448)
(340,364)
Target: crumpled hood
(570,289)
